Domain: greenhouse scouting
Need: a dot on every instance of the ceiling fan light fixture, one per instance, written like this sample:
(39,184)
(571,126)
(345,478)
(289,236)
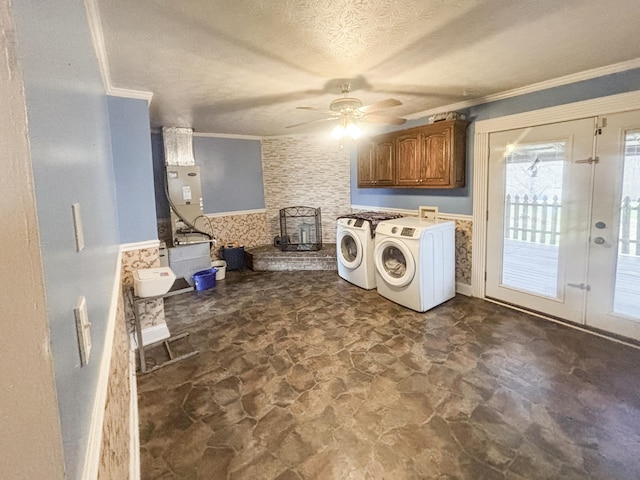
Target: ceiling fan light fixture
(353,131)
(338,132)
(347,128)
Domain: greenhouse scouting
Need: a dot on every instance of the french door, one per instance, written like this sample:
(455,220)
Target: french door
(562,229)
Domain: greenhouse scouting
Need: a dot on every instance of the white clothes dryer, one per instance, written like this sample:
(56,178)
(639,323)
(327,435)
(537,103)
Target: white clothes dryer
(415,261)
(354,244)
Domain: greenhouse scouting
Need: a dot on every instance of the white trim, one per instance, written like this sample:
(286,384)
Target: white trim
(92,456)
(464,289)
(588,108)
(130,247)
(535,87)
(128,93)
(237,212)
(413,213)
(455,216)
(400,211)
(134,429)
(622,102)
(227,135)
(97,38)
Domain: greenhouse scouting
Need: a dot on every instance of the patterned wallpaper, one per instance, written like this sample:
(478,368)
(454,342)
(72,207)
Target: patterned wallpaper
(151,312)
(464,235)
(305,171)
(114,455)
(248,229)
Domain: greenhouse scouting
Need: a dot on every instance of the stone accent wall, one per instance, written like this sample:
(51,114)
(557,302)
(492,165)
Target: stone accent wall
(114,456)
(306,171)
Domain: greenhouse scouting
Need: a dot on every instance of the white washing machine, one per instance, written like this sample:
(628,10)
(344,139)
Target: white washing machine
(354,243)
(415,261)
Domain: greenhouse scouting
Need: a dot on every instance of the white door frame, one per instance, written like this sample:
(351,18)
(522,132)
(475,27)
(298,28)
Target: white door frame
(589,108)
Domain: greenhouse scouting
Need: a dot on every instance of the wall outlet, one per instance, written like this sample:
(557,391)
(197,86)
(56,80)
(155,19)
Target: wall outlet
(82,326)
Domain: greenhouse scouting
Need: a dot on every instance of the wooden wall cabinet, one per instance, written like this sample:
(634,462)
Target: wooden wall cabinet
(431,156)
(376,167)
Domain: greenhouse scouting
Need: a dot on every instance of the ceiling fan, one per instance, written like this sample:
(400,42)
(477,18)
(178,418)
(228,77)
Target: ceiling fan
(348,111)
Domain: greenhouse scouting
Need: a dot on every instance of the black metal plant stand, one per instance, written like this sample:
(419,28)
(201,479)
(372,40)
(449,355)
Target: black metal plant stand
(300,229)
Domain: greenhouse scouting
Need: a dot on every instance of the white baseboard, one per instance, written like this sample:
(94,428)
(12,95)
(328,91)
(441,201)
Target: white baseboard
(464,289)
(130,247)
(92,457)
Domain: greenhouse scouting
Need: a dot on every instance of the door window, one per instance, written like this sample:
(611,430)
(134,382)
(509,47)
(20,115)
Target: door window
(394,262)
(627,283)
(532,216)
(349,248)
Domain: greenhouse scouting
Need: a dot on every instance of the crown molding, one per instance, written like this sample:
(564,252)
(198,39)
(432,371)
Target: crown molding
(535,87)
(97,38)
(227,135)
(127,93)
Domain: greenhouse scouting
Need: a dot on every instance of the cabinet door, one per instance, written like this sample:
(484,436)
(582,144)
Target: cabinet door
(409,159)
(366,175)
(436,152)
(383,167)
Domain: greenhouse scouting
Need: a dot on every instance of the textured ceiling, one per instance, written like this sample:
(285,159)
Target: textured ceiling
(242,67)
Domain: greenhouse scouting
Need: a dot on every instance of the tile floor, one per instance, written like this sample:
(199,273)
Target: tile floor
(301,375)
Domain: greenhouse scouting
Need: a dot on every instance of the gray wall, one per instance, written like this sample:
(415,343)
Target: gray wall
(71,156)
(133,168)
(231,170)
(460,200)
(157,150)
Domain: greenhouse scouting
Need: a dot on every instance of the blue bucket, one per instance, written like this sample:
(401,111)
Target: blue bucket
(205,279)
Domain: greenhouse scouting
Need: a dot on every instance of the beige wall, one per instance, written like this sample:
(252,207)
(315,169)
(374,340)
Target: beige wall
(31,440)
(306,171)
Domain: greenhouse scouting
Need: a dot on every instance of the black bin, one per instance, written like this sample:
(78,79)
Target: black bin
(234,257)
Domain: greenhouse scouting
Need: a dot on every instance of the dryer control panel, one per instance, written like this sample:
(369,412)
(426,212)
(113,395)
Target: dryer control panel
(404,231)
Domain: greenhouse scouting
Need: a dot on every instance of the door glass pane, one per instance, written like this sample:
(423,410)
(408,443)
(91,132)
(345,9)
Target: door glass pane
(348,248)
(394,262)
(532,217)
(627,288)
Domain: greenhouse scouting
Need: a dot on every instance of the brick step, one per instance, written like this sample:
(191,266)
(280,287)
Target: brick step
(269,258)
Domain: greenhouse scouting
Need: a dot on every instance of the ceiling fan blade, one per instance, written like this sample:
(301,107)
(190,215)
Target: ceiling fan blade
(382,104)
(384,119)
(323,110)
(311,122)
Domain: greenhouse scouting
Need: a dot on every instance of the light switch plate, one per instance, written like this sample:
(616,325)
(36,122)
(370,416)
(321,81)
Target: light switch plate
(84,332)
(77,225)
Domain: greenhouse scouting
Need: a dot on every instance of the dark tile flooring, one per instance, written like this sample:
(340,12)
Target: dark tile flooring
(301,375)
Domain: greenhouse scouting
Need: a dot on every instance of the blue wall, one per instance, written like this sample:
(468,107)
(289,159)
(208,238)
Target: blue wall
(231,171)
(71,154)
(460,200)
(133,168)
